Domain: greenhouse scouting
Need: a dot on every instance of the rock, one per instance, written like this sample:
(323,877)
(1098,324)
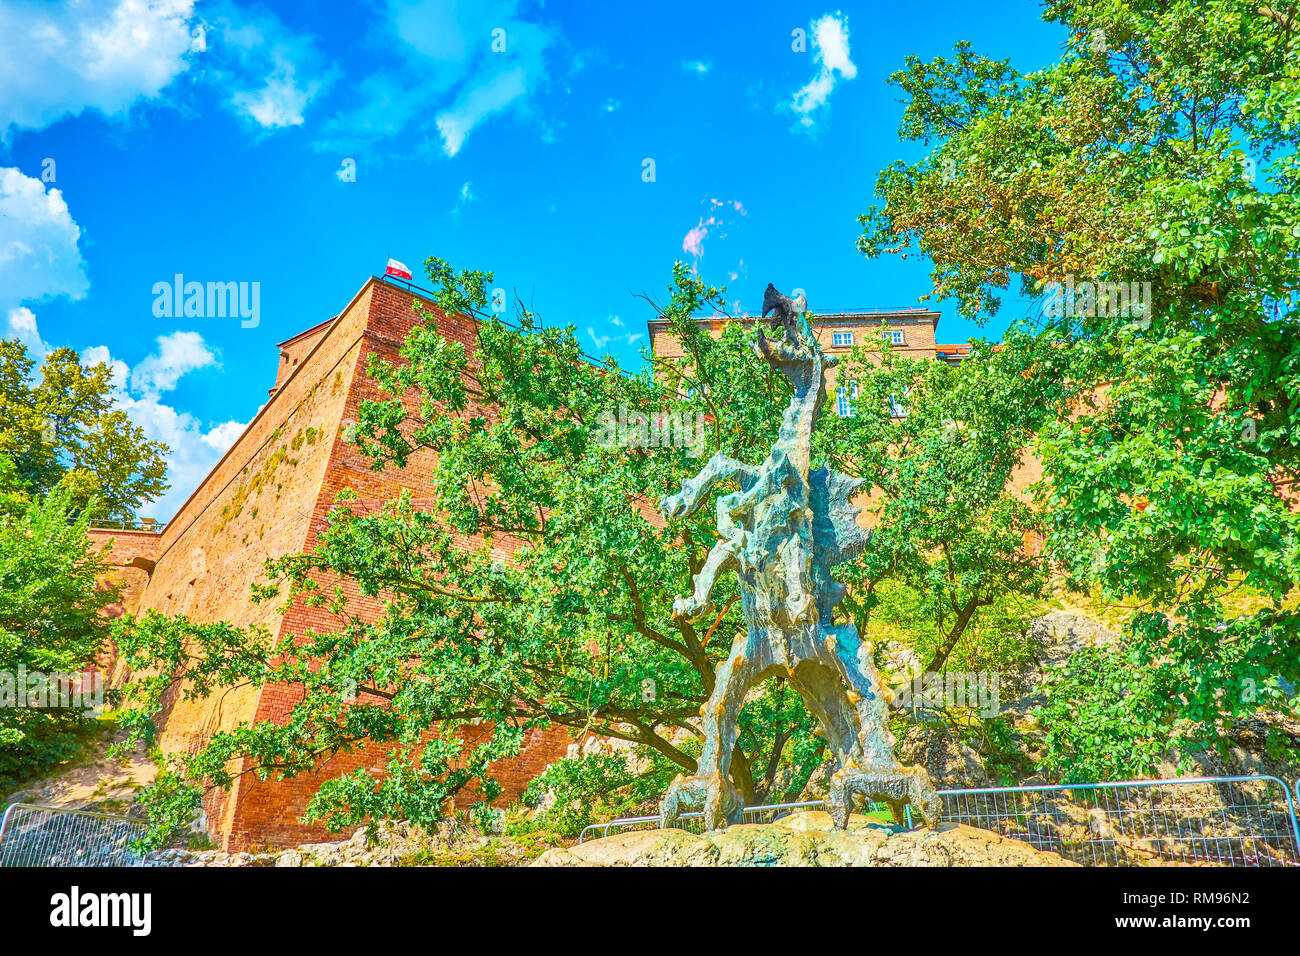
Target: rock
(324,854)
(806,839)
(1061,633)
(289,858)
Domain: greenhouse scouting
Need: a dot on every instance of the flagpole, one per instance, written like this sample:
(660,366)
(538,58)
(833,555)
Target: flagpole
(389,258)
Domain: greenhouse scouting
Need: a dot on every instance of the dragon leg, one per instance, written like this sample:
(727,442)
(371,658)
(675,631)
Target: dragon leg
(710,789)
(877,774)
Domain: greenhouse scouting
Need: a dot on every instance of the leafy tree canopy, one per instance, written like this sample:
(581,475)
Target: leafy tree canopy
(1158,153)
(63,426)
(51,624)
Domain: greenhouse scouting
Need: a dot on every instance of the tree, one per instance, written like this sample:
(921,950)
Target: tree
(939,445)
(51,626)
(1155,161)
(574,626)
(64,427)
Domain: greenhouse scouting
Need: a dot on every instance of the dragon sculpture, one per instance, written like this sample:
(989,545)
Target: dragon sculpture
(782,532)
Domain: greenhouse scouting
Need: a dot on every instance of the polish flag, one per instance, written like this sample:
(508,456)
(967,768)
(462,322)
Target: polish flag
(396,268)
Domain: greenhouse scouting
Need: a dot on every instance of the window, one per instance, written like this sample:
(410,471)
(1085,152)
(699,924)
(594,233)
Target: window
(844,399)
(894,336)
(842,338)
(896,408)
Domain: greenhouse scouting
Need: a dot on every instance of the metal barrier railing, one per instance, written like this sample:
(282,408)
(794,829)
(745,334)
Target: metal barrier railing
(692,821)
(1116,823)
(1229,821)
(140,524)
(47,836)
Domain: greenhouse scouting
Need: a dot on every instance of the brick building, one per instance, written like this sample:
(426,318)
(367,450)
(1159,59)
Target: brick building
(269,496)
(911,333)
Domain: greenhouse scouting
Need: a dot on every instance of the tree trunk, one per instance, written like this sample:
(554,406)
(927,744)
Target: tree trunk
(954,635)
(741,775)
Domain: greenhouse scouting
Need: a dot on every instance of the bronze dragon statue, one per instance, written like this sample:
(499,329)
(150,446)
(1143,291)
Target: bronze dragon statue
(782,532)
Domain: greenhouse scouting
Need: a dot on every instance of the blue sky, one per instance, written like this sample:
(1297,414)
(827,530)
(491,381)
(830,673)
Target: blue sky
(143,139)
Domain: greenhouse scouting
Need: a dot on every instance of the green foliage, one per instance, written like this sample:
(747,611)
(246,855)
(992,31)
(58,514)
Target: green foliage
(1160,148)
(1108,716)
(588,788)
(66,428)
(50,624)
(997,639)
(940,445)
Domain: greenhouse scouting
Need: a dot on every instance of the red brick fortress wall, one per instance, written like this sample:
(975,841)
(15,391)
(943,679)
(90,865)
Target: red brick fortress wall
(270,495)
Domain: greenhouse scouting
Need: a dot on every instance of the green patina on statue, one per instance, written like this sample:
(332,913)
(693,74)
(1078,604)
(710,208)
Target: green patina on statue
(782,533)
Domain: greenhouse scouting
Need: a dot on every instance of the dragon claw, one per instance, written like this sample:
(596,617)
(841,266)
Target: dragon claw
(690,609)
(898,786)
(721,802)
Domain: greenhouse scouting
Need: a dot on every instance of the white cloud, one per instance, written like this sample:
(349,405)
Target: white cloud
(464,198)
(59,59)
(700,67)
(444,77)
(602,341)
(223,436)
(39,256)
(193,448)
(20,324)
(831,54)
(178,353)
(273,73)
(476,103)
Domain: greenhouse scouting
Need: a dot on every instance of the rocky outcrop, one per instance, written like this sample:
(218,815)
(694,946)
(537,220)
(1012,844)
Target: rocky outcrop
(805,839)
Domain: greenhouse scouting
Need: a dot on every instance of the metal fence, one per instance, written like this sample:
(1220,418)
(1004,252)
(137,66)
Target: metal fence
(141,524)
(1225,821)
(45,836)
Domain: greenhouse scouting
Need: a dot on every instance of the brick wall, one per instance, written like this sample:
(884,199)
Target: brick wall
(269,496)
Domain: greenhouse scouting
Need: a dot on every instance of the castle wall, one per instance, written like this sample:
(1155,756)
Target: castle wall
(270,496)
(268,811)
